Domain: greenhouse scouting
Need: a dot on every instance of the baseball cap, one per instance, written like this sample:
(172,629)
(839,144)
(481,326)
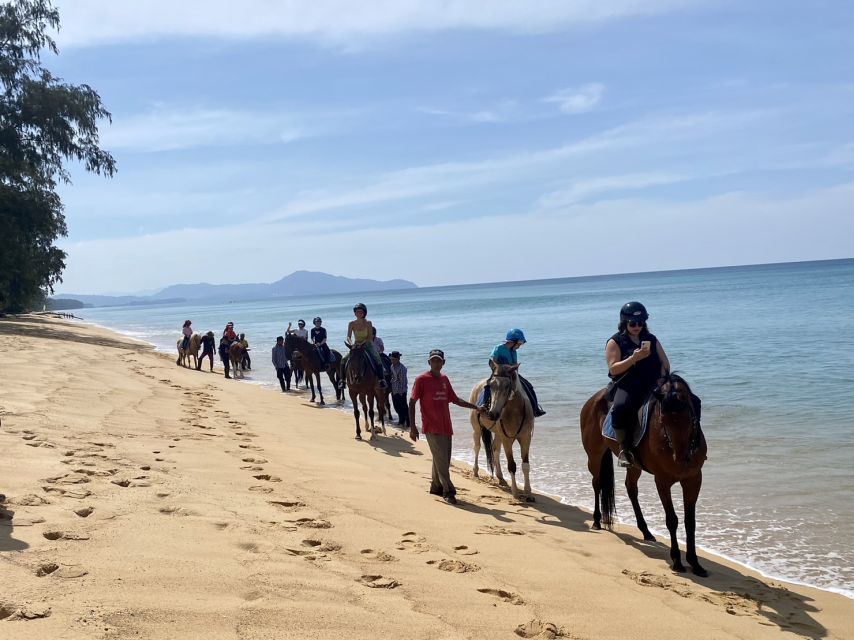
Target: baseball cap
(436,353)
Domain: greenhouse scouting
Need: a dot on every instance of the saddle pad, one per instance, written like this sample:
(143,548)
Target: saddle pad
(608,426)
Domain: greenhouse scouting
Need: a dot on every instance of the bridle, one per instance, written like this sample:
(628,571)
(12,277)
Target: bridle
(499,420)
(693,438)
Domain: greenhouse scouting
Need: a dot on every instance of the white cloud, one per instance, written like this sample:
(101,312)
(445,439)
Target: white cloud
(578,99)
(584,189)
(167,128)
(93,22)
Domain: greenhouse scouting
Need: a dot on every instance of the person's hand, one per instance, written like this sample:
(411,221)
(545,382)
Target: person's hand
(481,408)
(640,354)
(413,433)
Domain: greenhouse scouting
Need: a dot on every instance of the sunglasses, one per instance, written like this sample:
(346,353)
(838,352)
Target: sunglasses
(635,323)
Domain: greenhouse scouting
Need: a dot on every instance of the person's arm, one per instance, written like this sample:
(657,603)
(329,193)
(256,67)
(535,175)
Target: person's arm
(348,340)
(453,397)
(665,363)
(617,366)
(413,429)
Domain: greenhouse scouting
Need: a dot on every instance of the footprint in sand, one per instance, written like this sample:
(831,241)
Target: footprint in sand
(320,545)
(78,494)
(261,489)
(540,630)
(490,500)
(380,556)
(734,603)
(250,447)
(267,477)
(506,596)
(378,582)
(30,500)
(254,460)
(412,542)
(252,467)
(454,566)
(464,550)
(84,512)
(245,433)
(122,482)
(46,569)
(289,505)
(69,478)
(65,535)
(494,530)
(312,523)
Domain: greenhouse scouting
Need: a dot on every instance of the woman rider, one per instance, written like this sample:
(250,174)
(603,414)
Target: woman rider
(318,337)
(187,332)
(505,353)
(636,360)
(361,331)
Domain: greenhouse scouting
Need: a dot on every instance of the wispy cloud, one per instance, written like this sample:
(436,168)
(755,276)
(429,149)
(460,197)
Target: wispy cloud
(92,22)
(586,189)
(503,111)
(578,99)
(165,128)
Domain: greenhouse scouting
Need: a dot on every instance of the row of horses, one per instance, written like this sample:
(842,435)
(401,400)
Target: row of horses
(672,450)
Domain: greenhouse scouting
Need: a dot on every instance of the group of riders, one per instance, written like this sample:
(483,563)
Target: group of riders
(636,362)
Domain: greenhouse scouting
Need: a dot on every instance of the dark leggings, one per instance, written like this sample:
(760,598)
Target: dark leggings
(247,361)
(206,354)
(223,355)
(624,410)
(402,409)
(284,376)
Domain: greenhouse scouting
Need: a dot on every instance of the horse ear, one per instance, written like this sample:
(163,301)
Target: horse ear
(514,367)
(492,365)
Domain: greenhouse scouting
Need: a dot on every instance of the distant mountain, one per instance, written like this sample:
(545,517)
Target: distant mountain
(296,284)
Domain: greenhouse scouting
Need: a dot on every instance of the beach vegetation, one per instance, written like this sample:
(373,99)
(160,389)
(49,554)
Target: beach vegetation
(46,126)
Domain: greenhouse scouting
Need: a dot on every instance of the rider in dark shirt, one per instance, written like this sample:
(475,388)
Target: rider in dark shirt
(318,338)
(208,345)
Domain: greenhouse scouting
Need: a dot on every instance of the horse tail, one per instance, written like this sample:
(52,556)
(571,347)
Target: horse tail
(606,489)
(486,437)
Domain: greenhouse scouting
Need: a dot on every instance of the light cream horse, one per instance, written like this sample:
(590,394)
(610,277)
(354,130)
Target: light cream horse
(509,418)
(192,351)
(235,355)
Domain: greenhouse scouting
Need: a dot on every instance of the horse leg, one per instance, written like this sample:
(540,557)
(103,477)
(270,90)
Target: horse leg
(355,400)
(690,493)
(663,485)
(525,446)
(368,405)
(319,389)
(496,460)
(511,466)
(632,475)
(310,382)
(476,430)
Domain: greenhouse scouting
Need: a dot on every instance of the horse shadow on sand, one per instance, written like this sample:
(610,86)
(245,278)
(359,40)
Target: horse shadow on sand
(393,444)
(7,539)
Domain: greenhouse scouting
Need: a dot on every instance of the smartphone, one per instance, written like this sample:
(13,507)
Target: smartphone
(645,345)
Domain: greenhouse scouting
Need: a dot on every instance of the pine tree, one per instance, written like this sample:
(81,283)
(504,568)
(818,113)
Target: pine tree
(44,124)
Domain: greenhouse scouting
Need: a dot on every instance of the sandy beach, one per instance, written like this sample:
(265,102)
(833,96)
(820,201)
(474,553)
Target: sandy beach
(144,500)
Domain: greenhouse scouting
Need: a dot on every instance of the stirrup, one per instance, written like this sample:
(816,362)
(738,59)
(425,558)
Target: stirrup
(626,458)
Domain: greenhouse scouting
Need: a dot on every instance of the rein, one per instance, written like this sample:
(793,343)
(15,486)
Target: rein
(693,439)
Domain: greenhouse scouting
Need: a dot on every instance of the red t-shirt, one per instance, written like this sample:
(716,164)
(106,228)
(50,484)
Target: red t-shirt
(435,394)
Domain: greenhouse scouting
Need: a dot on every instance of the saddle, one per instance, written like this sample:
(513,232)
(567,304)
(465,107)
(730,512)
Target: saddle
(640,426)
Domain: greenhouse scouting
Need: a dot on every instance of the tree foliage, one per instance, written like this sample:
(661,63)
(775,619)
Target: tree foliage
(45,123)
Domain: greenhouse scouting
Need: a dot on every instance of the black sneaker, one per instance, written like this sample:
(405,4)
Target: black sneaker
(625,459)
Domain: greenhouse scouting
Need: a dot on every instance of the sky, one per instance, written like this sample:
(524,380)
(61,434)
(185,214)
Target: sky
(454,141)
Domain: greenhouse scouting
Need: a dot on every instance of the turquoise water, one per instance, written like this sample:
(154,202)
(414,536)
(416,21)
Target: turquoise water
(767,348)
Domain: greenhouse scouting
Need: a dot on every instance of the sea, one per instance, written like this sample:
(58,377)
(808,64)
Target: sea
(768,348)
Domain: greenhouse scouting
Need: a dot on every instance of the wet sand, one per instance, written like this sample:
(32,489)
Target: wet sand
(144,500)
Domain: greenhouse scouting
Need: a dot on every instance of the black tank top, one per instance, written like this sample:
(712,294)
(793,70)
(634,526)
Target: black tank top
(642,376)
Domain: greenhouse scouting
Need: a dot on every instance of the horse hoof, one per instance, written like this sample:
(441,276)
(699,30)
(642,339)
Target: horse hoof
(596,526)
(358,437)
(530,499)
(648,537)
(699,571)
(322,403)
(503,483)
(679,568)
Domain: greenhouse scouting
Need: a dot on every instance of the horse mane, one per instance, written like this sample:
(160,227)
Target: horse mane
(673,376)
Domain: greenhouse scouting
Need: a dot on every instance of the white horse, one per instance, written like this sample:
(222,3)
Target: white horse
(510,417)
(192,351)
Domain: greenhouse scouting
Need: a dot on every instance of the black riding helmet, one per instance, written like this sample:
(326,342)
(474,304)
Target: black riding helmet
(634,311)
(316,320)
(362,307)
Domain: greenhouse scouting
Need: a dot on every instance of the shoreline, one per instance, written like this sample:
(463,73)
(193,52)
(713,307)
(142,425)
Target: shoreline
(261,516)
(627,523)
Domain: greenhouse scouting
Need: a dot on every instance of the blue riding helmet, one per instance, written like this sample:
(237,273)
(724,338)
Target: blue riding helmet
(515,335)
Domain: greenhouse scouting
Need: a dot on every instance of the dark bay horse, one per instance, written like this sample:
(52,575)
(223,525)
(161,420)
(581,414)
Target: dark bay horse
(306,356)
(509,418)
(334,373)
(362,384)
(672,450)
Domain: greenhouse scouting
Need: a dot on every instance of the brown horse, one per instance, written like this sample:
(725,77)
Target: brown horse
(236,354)
(672,450)
(192,351)
(306,356)
(510,418)
(362,383)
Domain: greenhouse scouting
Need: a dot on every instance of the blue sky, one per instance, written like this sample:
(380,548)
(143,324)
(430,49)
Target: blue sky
(450,142)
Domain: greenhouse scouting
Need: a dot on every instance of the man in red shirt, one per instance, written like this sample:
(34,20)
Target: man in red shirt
(435,392)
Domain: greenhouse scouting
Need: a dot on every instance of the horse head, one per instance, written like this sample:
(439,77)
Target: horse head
(502,387)
(678,420)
